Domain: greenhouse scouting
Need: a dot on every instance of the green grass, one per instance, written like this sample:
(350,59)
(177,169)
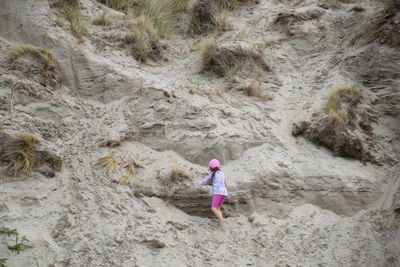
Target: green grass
(72,12)
(17,247)
(3,262)
(163,13)
(143,39)
(8,231)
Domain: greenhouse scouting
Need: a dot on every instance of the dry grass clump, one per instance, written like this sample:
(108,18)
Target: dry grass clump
(389,104)
(171,183)
(384,27)
(289,18)
(102,20)
(119,168)
(70,9)
(220,16)
(348,94)
(253,88)
(228,62)
(178,173)
(131,134)
(21,155)
(343,125)
(210,15)
(207,15)
(109,163)
(50,70)
(143,40)
(162,13)
(121,5)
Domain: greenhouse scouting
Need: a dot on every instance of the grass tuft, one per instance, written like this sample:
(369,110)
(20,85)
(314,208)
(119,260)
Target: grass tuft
(162,13)
(70,10)
(220,22)
(131,134)
(348,93)
(228,62)
(50,70)
(178,173)
(21,154)
(121,5)
(115,165)
(253,88)
(172,182)
(343,124)
(207,16)
(18,245)
(143,40)
(109,162)
(8,231)
(102,20)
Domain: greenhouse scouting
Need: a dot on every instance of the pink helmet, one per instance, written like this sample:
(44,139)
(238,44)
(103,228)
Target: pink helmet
(214,163)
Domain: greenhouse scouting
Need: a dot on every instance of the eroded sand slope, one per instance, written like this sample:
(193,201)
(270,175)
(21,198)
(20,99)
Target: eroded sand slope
(291,203)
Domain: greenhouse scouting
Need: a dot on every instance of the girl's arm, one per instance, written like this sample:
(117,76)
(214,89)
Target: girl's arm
(204,181)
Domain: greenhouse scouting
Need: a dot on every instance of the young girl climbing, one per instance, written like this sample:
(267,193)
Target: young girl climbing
(216,179)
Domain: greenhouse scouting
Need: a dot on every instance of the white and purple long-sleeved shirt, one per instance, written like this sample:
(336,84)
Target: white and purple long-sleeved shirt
(218,185)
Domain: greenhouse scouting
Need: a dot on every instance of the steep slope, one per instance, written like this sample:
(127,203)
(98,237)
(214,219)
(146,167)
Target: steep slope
(291,203)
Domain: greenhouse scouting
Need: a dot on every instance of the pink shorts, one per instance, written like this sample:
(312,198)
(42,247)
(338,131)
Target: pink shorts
(217,201)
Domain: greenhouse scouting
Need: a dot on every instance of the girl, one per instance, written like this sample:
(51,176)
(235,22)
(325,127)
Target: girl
(216,179)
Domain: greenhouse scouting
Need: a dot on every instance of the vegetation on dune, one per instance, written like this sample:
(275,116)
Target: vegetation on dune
(109,163)
(208,16)
(18,245)
(121,166)
(102,20)
(344,125)
(252,88)
(171,183)
(131,134)
(3,262)
(21,154)
(50,70)
(178,173)
(345,94)
(230,61)
(162,13)
(70,10)
(143,39)
(383,27)
(288,18)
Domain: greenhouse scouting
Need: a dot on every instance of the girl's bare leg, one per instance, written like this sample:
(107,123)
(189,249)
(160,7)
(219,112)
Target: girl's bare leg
(222,216)
(218,213)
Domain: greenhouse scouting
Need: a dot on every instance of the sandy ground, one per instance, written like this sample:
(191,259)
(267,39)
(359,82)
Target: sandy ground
(291,202)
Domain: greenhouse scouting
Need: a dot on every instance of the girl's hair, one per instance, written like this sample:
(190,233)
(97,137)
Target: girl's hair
(213,172)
